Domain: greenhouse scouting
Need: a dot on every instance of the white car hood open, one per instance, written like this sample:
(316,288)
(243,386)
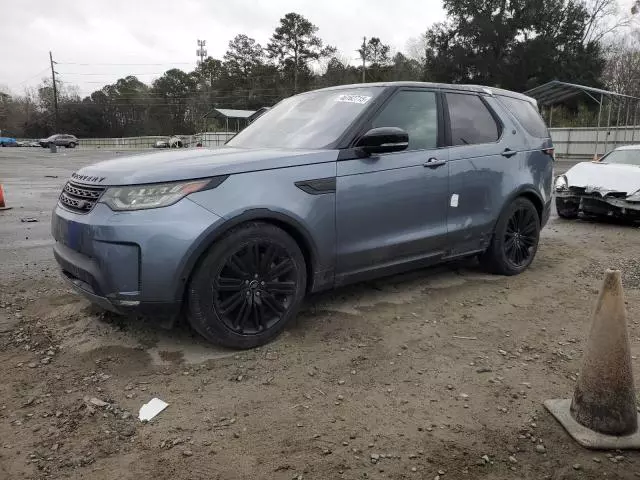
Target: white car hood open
(605,177)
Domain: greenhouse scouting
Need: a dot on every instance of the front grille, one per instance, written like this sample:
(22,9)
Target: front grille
(80,198)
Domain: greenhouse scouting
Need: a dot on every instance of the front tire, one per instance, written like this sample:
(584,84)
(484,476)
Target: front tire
(71,145)
(515,239)
(247,287)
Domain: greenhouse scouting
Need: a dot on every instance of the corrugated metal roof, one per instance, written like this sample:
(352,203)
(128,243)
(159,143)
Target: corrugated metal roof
(555,92)
(233,113)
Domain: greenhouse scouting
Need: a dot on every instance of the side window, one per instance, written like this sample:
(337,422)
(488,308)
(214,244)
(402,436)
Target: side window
(471,120)
(527,114)
(416,112)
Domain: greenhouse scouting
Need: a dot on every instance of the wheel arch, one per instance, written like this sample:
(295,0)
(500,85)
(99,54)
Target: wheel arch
(525,191)
(291,226)
(531,194)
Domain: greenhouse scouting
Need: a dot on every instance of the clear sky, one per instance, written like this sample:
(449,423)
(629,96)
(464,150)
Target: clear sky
(92,33)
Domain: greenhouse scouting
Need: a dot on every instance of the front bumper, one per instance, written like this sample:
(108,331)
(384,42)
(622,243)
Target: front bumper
(596,204)
(130,261)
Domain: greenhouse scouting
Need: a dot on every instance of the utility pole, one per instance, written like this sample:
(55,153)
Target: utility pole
(55,92)
(201,51)
(363,54)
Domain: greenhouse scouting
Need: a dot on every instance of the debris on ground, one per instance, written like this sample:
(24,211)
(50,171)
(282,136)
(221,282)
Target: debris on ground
(149,410)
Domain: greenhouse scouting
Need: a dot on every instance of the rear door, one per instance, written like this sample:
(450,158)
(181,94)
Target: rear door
(481,150)
(391,208)
(538,159)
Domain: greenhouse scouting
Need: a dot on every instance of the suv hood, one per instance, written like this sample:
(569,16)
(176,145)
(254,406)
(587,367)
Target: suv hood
(605,177)
(200,163)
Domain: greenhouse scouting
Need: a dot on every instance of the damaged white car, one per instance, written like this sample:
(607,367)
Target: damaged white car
(607,187)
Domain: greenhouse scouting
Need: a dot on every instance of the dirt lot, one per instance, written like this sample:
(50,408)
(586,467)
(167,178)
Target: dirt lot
(416,376)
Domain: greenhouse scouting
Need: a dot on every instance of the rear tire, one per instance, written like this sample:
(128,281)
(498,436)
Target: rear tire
(515,239)
(567,209)
(247,287)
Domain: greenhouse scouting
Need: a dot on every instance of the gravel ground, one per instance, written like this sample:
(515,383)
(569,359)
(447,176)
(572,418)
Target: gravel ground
(439,373)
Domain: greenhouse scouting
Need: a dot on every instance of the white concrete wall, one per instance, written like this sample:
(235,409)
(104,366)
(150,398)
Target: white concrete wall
(580,143)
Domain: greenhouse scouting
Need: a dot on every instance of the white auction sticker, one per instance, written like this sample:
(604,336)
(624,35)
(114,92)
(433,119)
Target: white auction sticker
(360,99)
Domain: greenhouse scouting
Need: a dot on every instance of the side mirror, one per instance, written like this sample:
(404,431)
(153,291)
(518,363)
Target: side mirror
(383,140)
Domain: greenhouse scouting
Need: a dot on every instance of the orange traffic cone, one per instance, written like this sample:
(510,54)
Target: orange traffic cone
(2,204)
(602,414)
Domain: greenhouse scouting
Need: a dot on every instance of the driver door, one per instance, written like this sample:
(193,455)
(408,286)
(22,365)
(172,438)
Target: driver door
(391,209)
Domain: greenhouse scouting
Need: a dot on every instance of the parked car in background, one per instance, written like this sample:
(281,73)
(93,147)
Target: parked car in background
(609,186)
(171,142)
(326,188)
(8,142)
(60,140)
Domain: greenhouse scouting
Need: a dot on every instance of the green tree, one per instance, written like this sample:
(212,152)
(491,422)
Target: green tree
(294,44)
(209,73)
(515,44)
(243,57)
(172,107)
(375,52)
(403,68)
(376,55)
(339,72)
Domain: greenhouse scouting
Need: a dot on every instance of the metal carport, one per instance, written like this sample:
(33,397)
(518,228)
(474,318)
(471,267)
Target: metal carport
(555,92)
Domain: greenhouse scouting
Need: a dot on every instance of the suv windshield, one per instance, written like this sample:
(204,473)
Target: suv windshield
(309,120)
(630,157)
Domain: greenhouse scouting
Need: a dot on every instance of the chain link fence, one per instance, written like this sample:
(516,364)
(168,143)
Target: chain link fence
(205,139)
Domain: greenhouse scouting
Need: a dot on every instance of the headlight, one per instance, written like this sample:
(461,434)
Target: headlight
(141,197)
(634,197)
(561,183)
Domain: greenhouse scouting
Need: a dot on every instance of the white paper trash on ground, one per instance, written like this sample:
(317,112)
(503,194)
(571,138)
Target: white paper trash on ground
(151,409)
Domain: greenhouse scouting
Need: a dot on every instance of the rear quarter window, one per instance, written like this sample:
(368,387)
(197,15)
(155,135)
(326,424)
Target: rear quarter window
(527,115)
(471,121)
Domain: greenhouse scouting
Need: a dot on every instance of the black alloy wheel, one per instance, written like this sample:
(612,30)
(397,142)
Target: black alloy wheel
(255,287)
(521,236)
(247,287)
(515,239)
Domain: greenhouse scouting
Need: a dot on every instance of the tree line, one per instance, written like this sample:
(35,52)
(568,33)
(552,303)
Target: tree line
(512,44)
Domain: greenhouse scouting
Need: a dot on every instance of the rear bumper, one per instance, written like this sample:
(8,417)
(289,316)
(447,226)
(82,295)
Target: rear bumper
(130,261)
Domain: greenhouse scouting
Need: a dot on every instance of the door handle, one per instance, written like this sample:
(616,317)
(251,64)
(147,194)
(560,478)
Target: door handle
(434,163)
(508,153)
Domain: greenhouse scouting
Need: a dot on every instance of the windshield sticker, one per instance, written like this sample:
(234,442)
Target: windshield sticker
(360,99)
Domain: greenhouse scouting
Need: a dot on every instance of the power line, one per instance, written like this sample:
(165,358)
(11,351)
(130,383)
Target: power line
(33,76)
(111,74)
(141,94)
(123,64)
(153,104)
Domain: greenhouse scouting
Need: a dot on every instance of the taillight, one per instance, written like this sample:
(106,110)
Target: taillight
(551,152)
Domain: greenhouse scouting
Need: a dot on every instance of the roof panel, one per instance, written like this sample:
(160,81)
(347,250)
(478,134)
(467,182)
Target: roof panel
(556,91)
(233,113)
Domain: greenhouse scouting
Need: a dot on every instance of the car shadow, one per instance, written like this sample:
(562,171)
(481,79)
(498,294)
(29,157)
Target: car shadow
(609,220)
(179,343)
